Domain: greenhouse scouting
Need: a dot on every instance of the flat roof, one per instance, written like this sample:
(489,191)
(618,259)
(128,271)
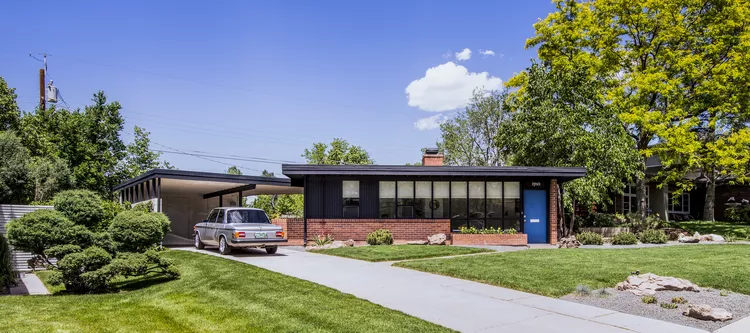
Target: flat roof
(297,171)
(203,176)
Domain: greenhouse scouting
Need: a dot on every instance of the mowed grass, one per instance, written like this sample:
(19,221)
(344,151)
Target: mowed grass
(556,272)
(399,252)
(213,295)
(738,231)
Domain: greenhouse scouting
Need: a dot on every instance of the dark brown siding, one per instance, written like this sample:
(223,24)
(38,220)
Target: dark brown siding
(314,198)
(368,198)
(332,199)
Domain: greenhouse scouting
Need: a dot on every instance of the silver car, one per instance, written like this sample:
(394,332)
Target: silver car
(237,227)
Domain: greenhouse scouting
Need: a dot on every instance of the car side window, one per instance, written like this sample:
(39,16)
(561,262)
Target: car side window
(212,216)
(220,218)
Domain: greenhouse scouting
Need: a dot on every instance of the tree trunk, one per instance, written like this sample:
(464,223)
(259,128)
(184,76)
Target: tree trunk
(708,205)
(640,185)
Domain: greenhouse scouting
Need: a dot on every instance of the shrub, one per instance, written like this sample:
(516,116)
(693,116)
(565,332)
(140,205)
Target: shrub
(145,206)
(81,206)
(323,240)
(652,236)
(7,273)
(469,230)
(78,271)
(590,238)
(602,220)
(134,231)
(738,214)
(625,238)
(668,305)
(648,299)
(583,290)
(40,230)
(679,300)
(510,231)
(633,220)
(380,237)
(111,209)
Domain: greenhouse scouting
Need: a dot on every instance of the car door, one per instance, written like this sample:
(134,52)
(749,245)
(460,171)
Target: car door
(205,227)
(215,226)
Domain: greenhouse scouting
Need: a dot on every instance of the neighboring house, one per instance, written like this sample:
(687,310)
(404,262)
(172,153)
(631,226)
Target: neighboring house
(350,201)
(689,206)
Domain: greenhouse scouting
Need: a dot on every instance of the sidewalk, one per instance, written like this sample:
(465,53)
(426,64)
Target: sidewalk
(462,305)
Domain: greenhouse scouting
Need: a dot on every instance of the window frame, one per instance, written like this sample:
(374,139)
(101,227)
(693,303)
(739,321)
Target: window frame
(344,204)
(632,192)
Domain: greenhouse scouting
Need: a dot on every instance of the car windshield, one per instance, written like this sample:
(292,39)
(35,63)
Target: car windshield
(247,216)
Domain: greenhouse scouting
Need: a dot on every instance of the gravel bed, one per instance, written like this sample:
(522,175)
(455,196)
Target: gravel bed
(624,301)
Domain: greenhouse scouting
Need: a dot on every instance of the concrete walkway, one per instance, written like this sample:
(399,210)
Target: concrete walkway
(29,284)
(462,305)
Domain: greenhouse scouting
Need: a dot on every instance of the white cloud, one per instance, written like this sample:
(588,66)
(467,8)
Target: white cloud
(429,123)
(448,87)
(463,55)
(487,52)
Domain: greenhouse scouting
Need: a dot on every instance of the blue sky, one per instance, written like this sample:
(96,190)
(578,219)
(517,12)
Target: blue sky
(269,78)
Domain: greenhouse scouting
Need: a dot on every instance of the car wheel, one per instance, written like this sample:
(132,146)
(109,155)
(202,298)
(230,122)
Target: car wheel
(224,248)
(198,244)
(271,250)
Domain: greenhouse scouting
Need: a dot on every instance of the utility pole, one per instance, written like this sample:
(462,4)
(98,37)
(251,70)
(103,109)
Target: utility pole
(42,99)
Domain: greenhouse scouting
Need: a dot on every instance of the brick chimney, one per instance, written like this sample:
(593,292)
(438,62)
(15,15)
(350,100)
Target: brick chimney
(432,157)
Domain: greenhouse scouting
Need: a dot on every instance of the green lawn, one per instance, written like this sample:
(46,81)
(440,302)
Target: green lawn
(399,252)
(214,294)
(739,231)
(556,272)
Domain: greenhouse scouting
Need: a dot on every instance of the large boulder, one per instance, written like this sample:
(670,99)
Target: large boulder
(568,243)
(349,242)
(649,284)
(688,239)
(706,312)
(437,239)
(711,238)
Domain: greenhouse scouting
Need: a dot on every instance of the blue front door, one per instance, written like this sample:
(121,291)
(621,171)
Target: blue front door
(535,215)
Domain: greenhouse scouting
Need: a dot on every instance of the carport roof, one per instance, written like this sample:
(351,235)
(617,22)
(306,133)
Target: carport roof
(203,176)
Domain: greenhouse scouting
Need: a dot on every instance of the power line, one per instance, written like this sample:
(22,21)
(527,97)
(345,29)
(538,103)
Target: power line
(203,154)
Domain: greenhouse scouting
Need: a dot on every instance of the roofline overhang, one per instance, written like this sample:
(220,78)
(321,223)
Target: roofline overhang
(202,176)
(296,171)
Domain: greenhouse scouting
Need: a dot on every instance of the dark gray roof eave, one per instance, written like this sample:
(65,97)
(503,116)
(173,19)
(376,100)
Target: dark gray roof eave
(206,176)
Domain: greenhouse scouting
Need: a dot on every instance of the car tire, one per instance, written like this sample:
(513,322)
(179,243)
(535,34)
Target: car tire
(198,244)
(224,248)
(272,250)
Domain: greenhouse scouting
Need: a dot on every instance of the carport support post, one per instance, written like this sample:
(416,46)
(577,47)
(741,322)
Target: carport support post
(221,201)
(239,199)
(304,210)
(158,194)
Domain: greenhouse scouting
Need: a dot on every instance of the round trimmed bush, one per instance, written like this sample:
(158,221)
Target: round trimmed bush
(380,237)
(653,236)
(590,238)
(40,230)
(625,238)
(135,231)
(80,206)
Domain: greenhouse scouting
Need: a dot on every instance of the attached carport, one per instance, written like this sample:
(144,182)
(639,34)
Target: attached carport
(187,197)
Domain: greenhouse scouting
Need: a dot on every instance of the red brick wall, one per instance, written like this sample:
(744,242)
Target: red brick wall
(490,239)
(357,229)
(553,211)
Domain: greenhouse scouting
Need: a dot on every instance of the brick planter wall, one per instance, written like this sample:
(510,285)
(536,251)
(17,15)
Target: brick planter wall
(357,229)
(490,239)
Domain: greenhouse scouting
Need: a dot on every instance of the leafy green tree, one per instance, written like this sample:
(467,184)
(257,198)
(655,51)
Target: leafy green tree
(7,273)
(560,120)
(661,63)
(14,171)
(267,173)
(10,115)
(140,158)
(83,207)
(49,176)
(471,137)
(339,152)
(233,170)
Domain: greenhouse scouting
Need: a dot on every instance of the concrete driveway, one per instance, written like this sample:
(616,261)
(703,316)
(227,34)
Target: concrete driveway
(458,304)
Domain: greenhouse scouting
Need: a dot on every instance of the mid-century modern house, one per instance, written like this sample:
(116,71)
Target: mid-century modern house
(350,201)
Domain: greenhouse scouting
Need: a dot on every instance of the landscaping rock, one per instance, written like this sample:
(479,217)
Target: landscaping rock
(712,238)
(419,242)
(674,234)
(687,239)
(568,243)
(349,242)
(706,312)
(437,239)
(649,284)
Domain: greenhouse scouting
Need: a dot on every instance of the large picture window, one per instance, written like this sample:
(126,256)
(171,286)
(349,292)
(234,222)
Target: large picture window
(405,199)
(440,200)
(476,204)
(512,205)
(494,205)
(350,193)
(459,209)
(387,209)
(630,199)
(679,205)
(422,196)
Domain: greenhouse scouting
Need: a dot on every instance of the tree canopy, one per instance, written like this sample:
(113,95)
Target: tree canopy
(338,152)
(140,158)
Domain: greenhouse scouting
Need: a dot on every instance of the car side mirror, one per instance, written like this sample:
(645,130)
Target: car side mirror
(205,221)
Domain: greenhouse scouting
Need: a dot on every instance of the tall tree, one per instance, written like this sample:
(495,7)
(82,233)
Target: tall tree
(659,62)
(233,170)
(560,120)
(10,115)
(471,137)
(49,176)
(14,171)
(140,158)
(338,152)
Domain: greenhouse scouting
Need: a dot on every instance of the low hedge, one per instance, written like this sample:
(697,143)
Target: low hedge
(625,238)
(380,237)
(590,238)
(653,236)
